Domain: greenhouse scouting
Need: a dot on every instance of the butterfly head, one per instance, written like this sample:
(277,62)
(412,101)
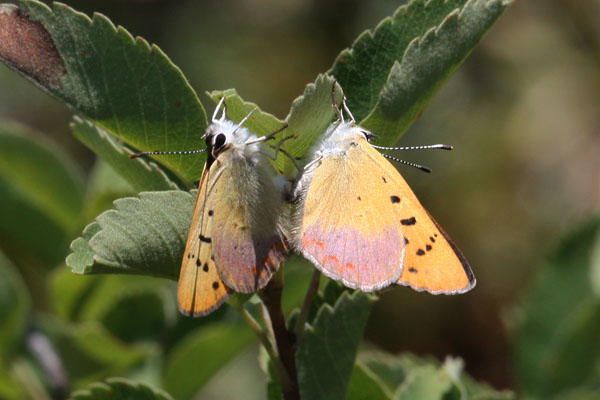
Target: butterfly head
(223,134)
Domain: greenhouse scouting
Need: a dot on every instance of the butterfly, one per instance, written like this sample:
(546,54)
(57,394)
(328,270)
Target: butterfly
(236,240)
(359,222)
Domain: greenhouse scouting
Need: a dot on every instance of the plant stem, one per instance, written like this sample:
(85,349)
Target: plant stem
(311,292)
(262,336)
(271,298)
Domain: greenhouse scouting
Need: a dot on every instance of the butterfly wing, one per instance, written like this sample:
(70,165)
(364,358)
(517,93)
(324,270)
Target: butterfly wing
(432,262)
(200,289)
(348,225)
(248,244)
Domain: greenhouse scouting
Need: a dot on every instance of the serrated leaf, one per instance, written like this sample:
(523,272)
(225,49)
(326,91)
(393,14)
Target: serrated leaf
(14,308)
(391,73)
(129,88)
(41,195)
(201,355)
(142,175)
(142,235)
(120,389)
(309,117)
(561,319)
(325,358)
(81,258)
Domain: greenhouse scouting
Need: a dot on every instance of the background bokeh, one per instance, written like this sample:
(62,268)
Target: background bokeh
(522,113)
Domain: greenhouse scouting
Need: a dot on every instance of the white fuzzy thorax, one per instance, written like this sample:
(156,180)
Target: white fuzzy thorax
(236,136)
(337,139)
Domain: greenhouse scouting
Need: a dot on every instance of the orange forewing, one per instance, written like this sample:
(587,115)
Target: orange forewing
(362,224)
(200,289)
(432,262)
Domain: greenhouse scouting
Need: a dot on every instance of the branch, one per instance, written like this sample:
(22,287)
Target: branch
(271,298)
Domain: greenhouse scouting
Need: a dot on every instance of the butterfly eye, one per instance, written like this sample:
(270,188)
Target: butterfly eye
(368,135)
(219,141)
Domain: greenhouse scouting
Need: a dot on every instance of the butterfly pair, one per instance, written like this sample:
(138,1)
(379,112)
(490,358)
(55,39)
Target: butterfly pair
(354,217)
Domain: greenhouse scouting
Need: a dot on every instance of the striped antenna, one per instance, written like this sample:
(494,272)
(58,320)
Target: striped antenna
(417,166)
(154,153)
(427,147)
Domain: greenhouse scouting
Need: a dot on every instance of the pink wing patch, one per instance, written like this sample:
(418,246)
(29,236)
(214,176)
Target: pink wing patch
(359,262)
(247,264)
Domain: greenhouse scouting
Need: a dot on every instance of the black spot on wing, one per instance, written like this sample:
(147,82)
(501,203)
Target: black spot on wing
(412,270)
(205,239)
(395,199)
(428,247)
(420,252)
(408,221)
(215,285)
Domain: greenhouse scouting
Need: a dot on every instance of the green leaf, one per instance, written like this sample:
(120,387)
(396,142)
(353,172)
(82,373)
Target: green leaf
(390,370)
(309,117)
(364,384)
(14,308)
(201,355)
(407,375)
(390,74)
(325,358)
(129,88)
(426,382)
(142,235)
(141,174)
(560,320)
(41,195)
(120,389)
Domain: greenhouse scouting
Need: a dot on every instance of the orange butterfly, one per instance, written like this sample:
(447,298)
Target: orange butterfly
(360,223)
(236,241)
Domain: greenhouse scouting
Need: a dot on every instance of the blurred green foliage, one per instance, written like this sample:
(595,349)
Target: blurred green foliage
(522,113)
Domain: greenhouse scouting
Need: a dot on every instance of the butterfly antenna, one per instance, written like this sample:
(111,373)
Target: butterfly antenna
(338,111)
(427,147)
(155,153)
(269,136)
(244,120)
(347,109)
(417,166)
(214,117)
